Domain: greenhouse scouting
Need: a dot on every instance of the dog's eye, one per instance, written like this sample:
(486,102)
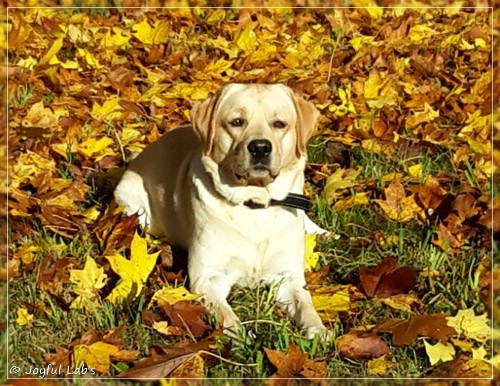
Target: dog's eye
(279,124)
(237,122)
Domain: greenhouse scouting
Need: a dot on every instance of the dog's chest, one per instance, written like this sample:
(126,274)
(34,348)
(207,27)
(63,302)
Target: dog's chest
(258,244)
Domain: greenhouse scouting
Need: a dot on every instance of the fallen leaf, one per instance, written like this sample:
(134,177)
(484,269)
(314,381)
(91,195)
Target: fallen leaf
(439,352)
(405,332)
(329,305)
(387,279)
(403,302)
(397,206)
(193,367)
(379,366)
(359,345)
(467,324)
(23,317)
(294,363)
(164,328)
(133,272)
(187,316)
(170,295)
(312,257)
(88,281)
(98,355)
(466,367)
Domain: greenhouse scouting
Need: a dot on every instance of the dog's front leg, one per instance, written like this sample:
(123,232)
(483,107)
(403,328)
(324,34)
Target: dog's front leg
(215,290)
(298,303)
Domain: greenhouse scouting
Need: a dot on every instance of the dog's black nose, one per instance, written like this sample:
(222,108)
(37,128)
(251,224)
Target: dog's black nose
(260,148)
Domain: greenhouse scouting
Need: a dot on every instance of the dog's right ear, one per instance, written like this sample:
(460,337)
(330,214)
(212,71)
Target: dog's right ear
(203,120)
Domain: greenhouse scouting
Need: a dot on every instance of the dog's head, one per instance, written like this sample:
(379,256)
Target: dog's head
(253,131)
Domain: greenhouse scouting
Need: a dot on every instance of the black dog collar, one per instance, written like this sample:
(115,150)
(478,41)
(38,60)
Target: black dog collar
(293,200)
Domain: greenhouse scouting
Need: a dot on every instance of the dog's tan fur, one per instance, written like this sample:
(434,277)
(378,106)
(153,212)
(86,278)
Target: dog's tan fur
(191,186)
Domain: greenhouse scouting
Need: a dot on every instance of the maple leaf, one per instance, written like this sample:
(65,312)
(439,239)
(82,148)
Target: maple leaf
(87,283)
(379,366)
(439,352)
(311,258)
(170,295)
(397,206)
(98,355)
(387,279)
(23,317)
(358,345)
(133,272)
(405,332)
(188,316)
(329,304)
(467,324)
(295,363)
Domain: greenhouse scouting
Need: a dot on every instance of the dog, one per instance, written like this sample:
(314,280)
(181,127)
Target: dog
(208,187)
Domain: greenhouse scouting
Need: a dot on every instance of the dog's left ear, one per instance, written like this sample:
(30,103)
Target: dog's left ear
(307,117)
(203,122)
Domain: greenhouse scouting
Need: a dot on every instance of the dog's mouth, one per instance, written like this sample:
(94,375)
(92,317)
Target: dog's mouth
(257,175)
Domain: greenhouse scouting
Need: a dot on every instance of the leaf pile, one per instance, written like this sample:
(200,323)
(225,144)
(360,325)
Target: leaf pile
(91,88)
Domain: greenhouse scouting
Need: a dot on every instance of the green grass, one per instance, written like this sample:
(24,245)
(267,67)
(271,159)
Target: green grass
(352,246)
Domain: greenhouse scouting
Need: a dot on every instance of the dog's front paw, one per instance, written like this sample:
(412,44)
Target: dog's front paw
(322,332)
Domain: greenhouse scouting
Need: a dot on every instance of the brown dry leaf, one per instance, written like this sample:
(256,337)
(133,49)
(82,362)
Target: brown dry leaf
(121,235)
(397,206)
(405,332)
(53,274)
(387,279)
(465,367)
(295,363)
(156,367)
(318,277)
(359,345)
(60,358)
(187,316)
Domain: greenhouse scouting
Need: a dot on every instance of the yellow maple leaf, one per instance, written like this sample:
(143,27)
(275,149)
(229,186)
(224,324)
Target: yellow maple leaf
(428,115)
(439,352)
(109,110)
(23,317)
(171,295)
(328,305)
(152,35)
(247,40)
(41,116)
(29,165)
(416,171)
(116,38)
(97,355)
(467,324)
(360,41)
(26,253)
(341,179)
(53,50)
(133,272)
(356,200)
(87,282)
(311,258)
(379,366)
(420,32)
(97,148)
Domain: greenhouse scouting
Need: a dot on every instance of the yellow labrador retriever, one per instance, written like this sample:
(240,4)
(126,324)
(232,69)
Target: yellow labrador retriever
(208,188)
